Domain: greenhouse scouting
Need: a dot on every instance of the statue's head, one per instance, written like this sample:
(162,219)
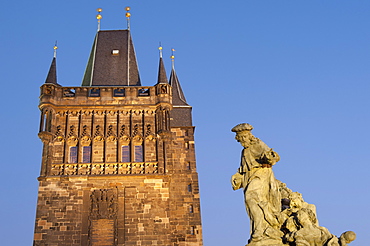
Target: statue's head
(348,236)
(296,200)
(243,134)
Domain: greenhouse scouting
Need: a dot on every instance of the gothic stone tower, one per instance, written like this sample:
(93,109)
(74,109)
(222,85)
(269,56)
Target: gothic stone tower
(118,163)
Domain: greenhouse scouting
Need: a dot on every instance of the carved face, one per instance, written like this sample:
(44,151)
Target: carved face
(295,201)
(244,138)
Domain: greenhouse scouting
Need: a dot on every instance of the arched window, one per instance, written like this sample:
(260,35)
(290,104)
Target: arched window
(73,154)
(126,156)
(86,154)
(139,153)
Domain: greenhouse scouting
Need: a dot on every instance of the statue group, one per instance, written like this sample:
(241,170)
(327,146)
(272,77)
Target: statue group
(278,216)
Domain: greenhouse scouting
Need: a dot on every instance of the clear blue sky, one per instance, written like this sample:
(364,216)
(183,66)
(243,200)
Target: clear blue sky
(298,71)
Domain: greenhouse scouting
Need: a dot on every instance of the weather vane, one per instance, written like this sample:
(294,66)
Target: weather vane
(128,15)
(99,17)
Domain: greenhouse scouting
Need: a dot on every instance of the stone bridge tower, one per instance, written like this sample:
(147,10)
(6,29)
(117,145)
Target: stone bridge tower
(118,164)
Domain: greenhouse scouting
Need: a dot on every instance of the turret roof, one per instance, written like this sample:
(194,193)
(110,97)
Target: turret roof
(178,97)
(52,75)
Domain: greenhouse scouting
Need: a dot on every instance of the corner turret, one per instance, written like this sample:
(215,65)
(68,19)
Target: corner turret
(52,75)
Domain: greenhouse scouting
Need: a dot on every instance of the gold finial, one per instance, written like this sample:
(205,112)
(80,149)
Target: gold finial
(99,17)
(128,15)
(160,50)
(55,49)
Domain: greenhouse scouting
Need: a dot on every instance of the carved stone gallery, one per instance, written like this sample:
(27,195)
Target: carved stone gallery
(278,216)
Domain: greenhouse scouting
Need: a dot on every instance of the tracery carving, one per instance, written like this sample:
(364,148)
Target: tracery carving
(73,113)
(124,112)
(111,113)
(149,112)
(111,137)
(103,204)
(86,112)
(48,89)
(149,135)
(85,137)
(98,136)
(137,112)
(58,136)
(98,112)
(72,138)
(70,169)
(136,130)
(111,168)
(122,131)
(124,138)
(60,113)
(97,169)
(84,169)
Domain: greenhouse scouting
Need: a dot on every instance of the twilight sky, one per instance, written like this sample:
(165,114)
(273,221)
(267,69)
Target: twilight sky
(298,71)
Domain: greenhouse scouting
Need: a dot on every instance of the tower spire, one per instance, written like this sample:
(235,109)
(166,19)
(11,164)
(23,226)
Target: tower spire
(52,75)
(162,77)
(178,97)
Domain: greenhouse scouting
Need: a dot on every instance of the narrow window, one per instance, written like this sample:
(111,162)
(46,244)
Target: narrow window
(186,145)
(190,188)
(192,230)
(139,153)
(44,121)
(119,92)
(188,166)
(48,122)
(69,93)
(126,153)
(143,92)
(191,209)
(94,92)
(73,154)
(86,154)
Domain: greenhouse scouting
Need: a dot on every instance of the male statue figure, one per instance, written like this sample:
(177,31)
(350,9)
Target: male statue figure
(262,197)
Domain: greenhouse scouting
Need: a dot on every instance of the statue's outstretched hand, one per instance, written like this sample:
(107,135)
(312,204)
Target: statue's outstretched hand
(237,181)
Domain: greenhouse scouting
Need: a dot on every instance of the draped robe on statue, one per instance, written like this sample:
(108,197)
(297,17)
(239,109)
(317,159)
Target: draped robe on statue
(262,197)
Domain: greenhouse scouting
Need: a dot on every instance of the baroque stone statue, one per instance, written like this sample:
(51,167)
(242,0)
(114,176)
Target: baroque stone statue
(277,215)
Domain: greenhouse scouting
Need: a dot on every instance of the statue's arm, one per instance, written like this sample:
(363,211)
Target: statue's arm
(237,181)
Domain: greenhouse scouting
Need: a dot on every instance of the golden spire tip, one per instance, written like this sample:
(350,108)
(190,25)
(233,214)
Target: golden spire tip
(99,17)
(55,49)
(160,50)
(128,15)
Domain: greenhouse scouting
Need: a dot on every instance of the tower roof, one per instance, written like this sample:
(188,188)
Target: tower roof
(52,75)
(162,77)
(178,97)
(112,60)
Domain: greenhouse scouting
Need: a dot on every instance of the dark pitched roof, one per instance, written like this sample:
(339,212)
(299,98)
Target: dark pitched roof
(52,75)
(162,77)
(178,97)
(112,60)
